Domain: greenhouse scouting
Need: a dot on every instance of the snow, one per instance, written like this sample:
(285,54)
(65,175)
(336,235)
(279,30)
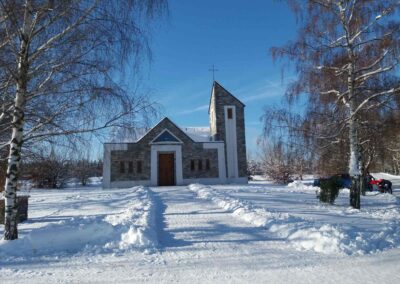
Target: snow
(309,225)
(353,166)
(132,228)
(258,233)
(198,134)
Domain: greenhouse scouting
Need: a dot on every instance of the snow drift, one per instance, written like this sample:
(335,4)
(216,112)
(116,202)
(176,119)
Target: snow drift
(303,233)
(131,229)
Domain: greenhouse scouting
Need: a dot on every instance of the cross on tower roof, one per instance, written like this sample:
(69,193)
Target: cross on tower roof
(213,70)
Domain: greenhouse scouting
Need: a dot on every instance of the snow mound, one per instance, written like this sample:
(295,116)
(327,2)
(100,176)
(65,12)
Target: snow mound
(133,228)
(240,209)
(306,234)
(137,225)
(301,187)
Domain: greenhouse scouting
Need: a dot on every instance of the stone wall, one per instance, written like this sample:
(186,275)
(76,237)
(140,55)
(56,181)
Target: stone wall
(196,152)
(223,98)
(213,117)
(137,152)
(141,151)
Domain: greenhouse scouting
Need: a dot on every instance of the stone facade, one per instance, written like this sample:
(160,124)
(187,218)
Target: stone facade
(220,98)
(194,160)
(141,150)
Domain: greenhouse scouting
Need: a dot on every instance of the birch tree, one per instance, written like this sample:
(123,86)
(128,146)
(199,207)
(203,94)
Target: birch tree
(58,64)
(346,55)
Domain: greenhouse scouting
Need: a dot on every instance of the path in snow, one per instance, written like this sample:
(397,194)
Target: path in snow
(197,243)
(308,224)
(196,237)
(201,242)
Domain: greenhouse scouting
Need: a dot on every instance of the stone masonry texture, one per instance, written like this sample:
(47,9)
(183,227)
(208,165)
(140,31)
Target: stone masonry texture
(220,98)
(141,151)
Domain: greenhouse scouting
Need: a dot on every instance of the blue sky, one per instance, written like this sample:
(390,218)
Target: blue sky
(234,35)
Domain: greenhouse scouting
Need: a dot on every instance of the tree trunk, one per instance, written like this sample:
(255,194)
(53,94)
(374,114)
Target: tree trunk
(354,166)
(355,155)
(10,227)
(14,157)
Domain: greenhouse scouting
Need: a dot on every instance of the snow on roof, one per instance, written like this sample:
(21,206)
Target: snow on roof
(198,134)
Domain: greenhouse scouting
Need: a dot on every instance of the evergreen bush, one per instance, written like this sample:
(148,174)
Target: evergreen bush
(329,189)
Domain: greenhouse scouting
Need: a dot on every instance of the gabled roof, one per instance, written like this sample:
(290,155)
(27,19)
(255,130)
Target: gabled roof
(170,121)
(195,134)
(198,134)
(217,85)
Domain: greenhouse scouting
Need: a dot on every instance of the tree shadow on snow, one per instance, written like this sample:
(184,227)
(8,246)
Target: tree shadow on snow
(165,238)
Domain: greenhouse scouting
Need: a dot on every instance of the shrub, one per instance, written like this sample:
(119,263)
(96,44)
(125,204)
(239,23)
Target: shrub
(329,189)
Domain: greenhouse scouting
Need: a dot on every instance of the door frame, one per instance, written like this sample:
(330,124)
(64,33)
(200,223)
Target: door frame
(166,148)
(158,166)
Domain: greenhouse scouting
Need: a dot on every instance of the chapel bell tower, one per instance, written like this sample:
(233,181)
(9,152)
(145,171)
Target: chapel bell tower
(226,114)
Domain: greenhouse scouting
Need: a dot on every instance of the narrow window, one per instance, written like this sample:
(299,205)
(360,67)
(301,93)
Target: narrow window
(208,164)
(200,165)
(139,167)
(230,113)
(130,168)
(192,165)
(122,167)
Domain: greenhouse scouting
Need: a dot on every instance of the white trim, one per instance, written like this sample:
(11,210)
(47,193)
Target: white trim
(166,142)
(231,142)
(240,180)
(157,148)
(211,181)
(203,181)
(221,158)
(107,161)
(129,183)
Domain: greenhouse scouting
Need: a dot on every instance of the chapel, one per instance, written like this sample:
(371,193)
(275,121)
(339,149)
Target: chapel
(169,155)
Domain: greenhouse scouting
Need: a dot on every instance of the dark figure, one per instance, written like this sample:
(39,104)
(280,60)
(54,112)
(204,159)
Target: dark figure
(386,186)
(368,179)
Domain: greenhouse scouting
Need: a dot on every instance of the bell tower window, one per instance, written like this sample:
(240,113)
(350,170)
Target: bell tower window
(230,113)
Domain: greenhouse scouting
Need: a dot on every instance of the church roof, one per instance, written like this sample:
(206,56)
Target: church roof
(217,86)
(196,134)
(169,120)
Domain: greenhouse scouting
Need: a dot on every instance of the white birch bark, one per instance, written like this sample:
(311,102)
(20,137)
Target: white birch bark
(355,155)
(14,157)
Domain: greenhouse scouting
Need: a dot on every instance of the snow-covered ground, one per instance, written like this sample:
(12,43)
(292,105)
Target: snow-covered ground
(295,214)
(62,223)
(260,233)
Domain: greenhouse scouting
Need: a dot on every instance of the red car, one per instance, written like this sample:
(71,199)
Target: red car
(383,185)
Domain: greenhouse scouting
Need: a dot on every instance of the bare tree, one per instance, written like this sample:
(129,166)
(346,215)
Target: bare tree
(346,55)
(284,139)
(58,61)
(48,170)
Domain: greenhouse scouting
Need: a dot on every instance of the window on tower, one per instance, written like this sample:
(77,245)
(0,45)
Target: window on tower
(230,113)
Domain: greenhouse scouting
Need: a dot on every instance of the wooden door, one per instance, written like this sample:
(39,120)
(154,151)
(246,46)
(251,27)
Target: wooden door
(166,169)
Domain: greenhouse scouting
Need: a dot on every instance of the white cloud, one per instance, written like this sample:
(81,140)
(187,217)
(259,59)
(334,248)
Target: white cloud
(197,109)
(263,90)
